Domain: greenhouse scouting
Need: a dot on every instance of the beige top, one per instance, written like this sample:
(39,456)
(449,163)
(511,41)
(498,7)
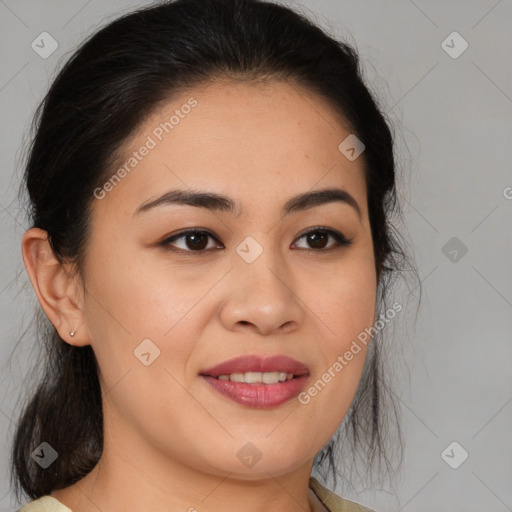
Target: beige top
(331,501)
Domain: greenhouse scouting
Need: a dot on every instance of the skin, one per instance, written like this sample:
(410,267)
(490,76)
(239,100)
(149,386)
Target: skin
(170,439)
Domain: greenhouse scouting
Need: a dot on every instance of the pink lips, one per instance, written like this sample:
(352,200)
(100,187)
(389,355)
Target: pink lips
(263,396)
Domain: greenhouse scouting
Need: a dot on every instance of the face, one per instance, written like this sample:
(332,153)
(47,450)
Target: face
(257,276)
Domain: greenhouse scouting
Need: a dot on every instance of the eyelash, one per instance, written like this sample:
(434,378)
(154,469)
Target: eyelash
(339,237)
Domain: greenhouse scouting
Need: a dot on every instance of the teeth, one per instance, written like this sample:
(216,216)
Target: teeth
(282,376)
(258,377)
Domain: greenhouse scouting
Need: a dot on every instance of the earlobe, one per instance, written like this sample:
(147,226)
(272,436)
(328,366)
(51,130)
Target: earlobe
(55,287)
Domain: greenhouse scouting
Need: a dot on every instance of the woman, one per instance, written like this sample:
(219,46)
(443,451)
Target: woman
(210,187)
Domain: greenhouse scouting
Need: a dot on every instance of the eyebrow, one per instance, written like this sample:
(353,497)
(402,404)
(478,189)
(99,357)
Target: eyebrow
(217,202)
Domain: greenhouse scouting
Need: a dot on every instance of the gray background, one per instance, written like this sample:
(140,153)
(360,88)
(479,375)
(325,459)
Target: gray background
(453,118)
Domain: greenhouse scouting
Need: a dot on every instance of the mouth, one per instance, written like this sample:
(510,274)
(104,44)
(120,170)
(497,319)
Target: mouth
(254,366)
(256,381)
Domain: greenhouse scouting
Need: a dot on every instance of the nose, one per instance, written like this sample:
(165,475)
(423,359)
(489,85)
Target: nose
(262,297)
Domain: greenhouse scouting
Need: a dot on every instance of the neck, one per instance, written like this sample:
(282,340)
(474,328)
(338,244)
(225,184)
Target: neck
(123,480)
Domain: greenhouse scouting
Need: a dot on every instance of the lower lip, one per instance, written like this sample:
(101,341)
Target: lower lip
(261,396)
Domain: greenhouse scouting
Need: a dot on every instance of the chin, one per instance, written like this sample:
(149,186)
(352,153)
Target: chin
(250,463)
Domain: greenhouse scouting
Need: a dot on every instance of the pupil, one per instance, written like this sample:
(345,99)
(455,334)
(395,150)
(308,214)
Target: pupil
(196,241)
(316,239)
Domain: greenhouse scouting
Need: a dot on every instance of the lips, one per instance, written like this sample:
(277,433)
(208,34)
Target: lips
(258,395)
(258,364)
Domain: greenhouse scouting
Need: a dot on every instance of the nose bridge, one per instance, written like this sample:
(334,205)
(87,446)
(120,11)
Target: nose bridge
(261,262)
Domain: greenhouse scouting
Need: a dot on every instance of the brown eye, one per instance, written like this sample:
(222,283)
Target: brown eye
(196,241)
(191,241)
(318,239)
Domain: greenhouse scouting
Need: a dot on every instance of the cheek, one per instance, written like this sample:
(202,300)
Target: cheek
(344,299)
(130,293)
(345,303)
(142,315)
(131,299)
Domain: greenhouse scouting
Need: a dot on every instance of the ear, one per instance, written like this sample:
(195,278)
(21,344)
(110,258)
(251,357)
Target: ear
(57,287)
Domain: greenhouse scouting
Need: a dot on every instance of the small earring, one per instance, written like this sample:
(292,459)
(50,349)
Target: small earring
(72,332)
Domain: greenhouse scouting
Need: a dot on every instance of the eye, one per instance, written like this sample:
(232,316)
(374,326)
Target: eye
(318,237)
(193,241)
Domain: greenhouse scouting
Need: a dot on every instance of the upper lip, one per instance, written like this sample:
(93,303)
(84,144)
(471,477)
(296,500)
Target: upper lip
(255,363)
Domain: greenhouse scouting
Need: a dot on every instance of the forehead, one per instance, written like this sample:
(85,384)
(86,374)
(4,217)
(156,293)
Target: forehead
(257,141)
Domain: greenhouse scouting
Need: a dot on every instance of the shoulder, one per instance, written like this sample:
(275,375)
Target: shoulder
(332,501)
(45,504)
